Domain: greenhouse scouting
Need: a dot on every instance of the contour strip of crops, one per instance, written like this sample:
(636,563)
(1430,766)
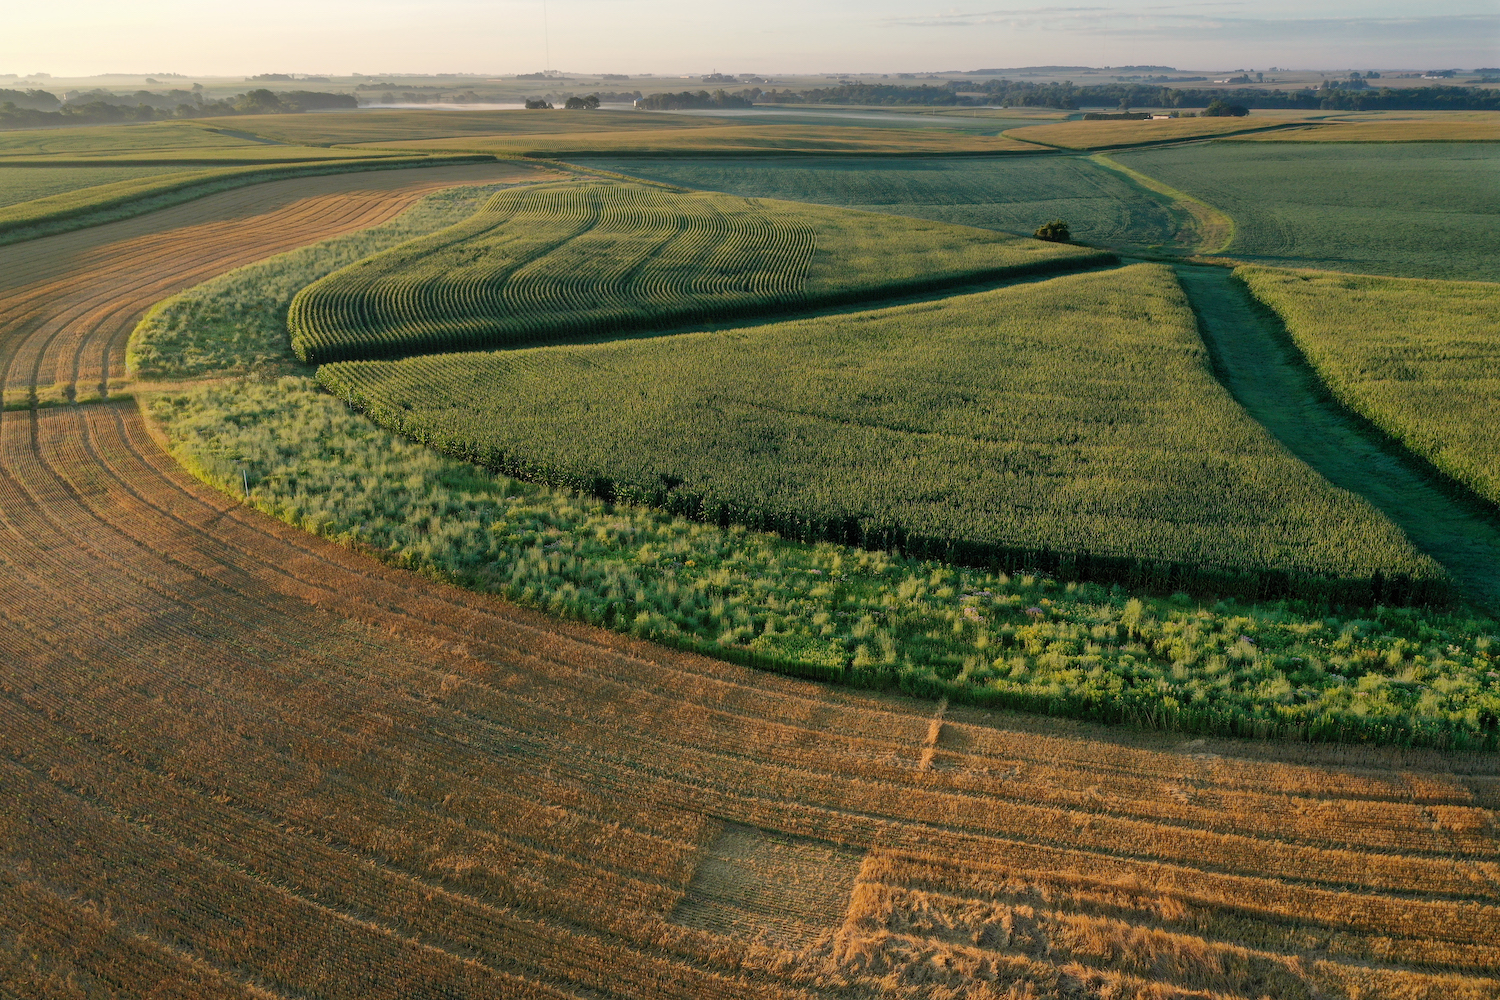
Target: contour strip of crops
(563,261)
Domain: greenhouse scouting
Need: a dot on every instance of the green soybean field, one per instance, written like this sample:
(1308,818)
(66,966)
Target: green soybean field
(1009,193)
(1418,210)
(595,259)
(1074,422)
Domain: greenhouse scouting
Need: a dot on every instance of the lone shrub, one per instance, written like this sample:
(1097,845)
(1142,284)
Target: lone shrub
(1055,231)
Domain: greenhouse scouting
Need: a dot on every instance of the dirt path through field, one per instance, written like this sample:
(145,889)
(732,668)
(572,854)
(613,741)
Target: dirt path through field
(1269,377)
(237,760)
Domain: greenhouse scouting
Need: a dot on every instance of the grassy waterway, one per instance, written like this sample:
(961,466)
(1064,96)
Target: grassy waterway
(1269,377)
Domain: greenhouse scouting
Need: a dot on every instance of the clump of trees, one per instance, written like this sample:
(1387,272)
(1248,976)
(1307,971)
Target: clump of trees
(687,100)
(1220,108)
(1055,231)
(538,105)
(589,103)
(102,107)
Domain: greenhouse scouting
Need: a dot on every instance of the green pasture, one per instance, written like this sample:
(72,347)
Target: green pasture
(576,260)
(1419,359)
(336,128)
(1076,416)
(105,141)
(1013,194)
(1422,210)
(18,184)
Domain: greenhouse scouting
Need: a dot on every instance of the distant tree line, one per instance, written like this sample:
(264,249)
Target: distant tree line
(1069,96)
(687,100)
(102,108)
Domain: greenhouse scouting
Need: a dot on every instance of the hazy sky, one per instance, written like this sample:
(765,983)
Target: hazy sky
(765,36)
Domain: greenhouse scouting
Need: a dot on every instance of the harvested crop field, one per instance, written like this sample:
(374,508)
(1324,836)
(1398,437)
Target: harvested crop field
(298,772)
(52,340)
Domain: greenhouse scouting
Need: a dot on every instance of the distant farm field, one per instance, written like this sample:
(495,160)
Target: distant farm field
(1011,194)
(571,260)
(1419,359)
(1452,126)
(1422,210)
(1076,415)
(18,184)
(1113,134)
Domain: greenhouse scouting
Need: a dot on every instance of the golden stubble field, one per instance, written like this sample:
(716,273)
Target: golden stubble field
(237,760)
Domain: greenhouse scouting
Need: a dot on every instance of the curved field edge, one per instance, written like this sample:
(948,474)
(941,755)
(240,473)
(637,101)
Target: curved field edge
(559,262)
(833,612)
(1047,632)
(111,202)
(1214,229)
(988,429)
(1415,357)
(236,322)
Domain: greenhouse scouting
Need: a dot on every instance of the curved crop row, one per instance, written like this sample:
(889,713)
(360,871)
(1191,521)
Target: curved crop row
(559,261)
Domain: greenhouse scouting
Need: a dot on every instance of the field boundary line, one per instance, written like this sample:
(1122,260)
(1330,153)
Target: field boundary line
(1212,223)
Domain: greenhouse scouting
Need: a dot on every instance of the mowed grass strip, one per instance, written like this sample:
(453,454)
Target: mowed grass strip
(1074,421)
(1119,134)
(1419,359)
(571,260)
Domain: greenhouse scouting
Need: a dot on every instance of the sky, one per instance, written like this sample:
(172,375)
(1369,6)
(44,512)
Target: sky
(87,37)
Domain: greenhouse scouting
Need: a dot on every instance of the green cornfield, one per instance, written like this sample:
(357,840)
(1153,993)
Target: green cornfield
(576,260)
(1072,425)
(1419,359)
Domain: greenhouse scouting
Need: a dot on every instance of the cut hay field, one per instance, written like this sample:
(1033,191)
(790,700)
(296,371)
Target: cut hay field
(82,206)
(1422,210)
(238,760)
(1419,359)
(595,259)
(1122,134)
(1011,194)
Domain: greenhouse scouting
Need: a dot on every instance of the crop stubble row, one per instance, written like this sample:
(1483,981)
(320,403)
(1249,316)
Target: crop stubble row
(200,688)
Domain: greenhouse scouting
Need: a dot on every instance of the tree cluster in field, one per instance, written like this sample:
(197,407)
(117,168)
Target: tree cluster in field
(687,101)
(1220,108)
(35,108)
